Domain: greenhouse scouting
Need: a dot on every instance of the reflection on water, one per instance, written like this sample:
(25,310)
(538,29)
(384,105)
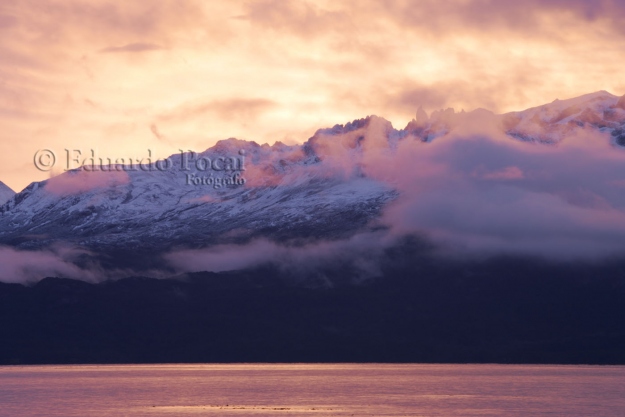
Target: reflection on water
(306,390)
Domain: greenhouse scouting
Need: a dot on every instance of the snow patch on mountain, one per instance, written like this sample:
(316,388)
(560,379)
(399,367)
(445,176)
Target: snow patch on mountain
(288,194)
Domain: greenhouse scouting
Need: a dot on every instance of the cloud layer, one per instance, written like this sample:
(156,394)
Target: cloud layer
(98,74)
(481,194)
(31,266)
(474,192)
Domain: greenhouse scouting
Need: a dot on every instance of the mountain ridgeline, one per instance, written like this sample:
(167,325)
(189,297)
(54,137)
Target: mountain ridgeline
(504,310)
(335,185)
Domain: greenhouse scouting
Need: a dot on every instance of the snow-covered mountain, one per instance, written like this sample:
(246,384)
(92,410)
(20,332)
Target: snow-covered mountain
(548,123)
(299,193)
(288,194)
(5,193)
(552,122)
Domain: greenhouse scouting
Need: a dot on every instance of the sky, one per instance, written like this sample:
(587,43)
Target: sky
(125,78)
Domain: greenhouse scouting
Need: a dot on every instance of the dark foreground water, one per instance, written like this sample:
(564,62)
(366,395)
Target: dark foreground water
(307,390)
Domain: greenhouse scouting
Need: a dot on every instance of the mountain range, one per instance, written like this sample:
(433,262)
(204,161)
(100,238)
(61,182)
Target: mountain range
(336,185)
(464,237)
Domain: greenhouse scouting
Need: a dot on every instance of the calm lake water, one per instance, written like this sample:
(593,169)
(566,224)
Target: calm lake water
(312,390)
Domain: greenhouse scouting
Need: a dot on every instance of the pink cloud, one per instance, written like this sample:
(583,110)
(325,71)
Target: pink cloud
(477,189)
(31,266)
(507,173)
(361,251)
(133,47)
(474,190)
(79,181)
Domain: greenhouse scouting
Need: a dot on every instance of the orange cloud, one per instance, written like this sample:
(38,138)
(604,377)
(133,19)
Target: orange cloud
(247,108)
(132,47)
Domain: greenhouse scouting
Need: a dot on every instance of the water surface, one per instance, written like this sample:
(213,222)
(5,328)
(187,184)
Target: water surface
(312,390)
